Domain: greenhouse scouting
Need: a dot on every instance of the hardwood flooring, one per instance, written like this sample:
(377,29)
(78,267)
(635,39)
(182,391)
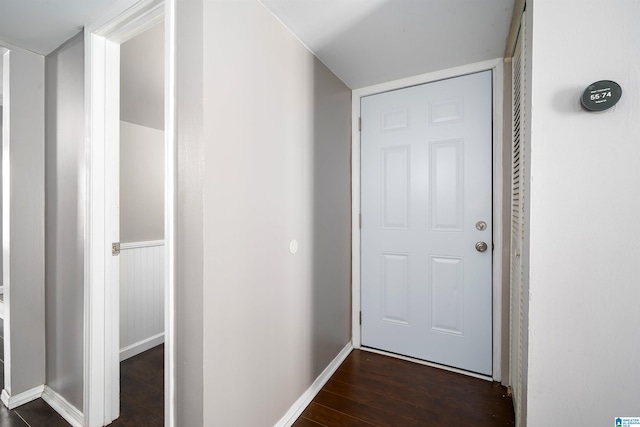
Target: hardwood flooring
(368,390)
(142,390)
(372,390)
(141,397)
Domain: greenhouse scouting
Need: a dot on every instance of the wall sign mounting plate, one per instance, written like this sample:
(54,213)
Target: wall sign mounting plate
(600,96)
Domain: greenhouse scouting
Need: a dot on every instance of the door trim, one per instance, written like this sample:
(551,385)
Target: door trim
(496,66)
(101,339)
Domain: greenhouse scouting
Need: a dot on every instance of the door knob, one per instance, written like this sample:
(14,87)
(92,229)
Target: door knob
(481,246)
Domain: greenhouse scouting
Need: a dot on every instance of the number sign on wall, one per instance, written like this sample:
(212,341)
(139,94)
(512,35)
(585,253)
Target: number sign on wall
(602,95)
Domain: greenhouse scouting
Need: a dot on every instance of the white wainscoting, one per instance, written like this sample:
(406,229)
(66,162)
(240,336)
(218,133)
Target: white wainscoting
(141,297)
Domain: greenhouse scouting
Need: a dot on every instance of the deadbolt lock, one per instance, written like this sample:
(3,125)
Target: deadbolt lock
(481,246)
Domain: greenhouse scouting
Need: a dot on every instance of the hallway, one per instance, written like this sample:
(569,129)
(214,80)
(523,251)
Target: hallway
(372,390)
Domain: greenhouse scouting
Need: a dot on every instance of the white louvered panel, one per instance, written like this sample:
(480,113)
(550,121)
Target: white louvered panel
(141,297)
(519,287)
(516,222)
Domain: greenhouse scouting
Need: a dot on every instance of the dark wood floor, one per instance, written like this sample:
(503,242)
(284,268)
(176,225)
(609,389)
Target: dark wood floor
(368,390)
(141,396)
(371,390)
(142,390)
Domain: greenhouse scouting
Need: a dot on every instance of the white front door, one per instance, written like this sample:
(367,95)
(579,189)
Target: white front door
(426,212)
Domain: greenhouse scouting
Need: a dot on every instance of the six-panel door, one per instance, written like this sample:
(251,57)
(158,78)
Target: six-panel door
(426,202)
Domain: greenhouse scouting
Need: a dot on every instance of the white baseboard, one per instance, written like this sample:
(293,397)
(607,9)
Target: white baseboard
(144,345)
(63,407)
(14,401)
(303,401)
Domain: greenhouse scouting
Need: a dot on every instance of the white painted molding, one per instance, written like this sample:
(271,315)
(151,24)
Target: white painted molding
(6,46)
(136,245)
(498,225)
(5,218)
(170,179)
(12,402)
(141,346)
(59,404)
(496,66)
(355,218)
(102,350)
(133,21)
(303,401)
(94,268)
(425,78)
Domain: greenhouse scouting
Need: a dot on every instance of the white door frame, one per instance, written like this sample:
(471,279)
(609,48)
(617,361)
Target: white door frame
(6,215)
(101,398)
(495,65)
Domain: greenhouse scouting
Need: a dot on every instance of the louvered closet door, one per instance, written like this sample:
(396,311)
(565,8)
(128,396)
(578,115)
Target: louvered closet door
(519,288)
(426,202)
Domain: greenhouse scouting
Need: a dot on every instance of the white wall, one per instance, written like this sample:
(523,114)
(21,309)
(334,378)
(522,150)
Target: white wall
(23,211)
(65,227)
(142,78)
(276,163)
(584,336)
(141,297)
(189,214)
(141,183)
(1,132)
(142,136)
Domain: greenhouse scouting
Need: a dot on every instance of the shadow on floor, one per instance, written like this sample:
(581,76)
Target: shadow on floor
(372,390)
(141,395)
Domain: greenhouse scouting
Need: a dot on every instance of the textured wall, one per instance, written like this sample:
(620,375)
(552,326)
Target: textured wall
(584,338)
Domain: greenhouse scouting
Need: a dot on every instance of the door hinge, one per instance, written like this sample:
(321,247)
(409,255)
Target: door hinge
(115,248)
(361,317)
(360,123)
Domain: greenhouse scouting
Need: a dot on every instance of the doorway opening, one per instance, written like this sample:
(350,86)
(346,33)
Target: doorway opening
(141,226)
(117,327)
(426,220)
(496,186)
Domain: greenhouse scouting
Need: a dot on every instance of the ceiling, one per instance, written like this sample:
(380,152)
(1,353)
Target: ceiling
(366,42)
(42,25)
(363,42)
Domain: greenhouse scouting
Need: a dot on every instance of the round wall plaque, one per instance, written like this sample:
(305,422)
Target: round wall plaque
(600,96)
